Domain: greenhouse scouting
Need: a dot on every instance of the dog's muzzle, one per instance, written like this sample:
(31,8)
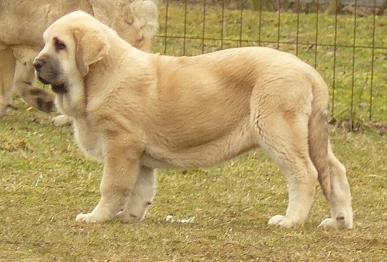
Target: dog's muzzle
(47,76)
(38,65)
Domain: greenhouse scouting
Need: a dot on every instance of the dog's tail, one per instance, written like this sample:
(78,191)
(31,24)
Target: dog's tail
(318,135)
(331,173)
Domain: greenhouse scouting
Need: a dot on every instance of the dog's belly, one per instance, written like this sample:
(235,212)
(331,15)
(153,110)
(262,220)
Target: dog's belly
(151,162)
(192,160)
(204,155)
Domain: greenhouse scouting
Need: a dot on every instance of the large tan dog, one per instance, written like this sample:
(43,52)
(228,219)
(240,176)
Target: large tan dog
(137,111)
(22,24)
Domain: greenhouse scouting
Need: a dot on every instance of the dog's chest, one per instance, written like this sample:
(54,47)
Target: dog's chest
(89,139)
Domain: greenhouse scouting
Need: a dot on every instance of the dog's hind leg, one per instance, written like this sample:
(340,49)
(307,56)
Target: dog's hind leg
(283,135)
(24,79)
(141,197)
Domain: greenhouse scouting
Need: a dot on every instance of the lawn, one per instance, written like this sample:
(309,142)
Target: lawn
(46,182)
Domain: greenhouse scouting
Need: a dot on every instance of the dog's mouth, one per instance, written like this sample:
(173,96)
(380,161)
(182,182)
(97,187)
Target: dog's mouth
(44,81)
(56,88)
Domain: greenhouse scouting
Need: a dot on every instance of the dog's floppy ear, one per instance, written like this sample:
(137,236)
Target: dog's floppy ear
(91,46)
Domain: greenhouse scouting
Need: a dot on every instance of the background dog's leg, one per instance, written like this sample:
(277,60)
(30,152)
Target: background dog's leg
(121,169)
(24,79)
(338,196)
(7,71)
(141,197)
(285,139)
(23,86)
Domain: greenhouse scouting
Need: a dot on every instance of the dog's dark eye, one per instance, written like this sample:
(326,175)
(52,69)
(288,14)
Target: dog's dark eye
(59,45)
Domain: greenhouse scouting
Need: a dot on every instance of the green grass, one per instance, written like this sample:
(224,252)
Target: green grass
(46,182)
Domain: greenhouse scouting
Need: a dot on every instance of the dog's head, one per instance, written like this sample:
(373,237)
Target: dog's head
(71,45)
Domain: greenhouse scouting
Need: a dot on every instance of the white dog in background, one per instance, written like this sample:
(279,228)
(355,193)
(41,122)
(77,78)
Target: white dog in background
(22,24)
(137,111)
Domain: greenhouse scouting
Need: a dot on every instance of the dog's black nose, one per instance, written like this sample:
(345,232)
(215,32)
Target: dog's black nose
(38,63)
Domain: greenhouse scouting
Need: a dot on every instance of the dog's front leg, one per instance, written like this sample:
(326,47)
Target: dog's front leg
(121,168)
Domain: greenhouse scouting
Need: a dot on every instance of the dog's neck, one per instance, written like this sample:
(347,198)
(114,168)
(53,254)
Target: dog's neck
(91,87)
(73,104)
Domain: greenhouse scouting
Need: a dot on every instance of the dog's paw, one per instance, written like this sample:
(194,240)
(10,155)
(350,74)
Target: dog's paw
(281,221)
(90,218)
(85,218)
(128,218)
(339,223)
(329,222)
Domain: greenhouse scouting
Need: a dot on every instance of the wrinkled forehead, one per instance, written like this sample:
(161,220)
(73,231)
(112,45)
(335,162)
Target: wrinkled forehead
(55,30)
(69,23)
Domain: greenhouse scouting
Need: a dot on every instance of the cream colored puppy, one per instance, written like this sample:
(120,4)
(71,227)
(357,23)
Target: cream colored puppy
(136,111)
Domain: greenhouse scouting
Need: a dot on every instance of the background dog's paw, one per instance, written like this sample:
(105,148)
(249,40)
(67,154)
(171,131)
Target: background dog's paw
(61,120)
(281,221)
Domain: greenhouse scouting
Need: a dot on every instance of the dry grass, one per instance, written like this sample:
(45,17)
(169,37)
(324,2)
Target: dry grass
(46,182)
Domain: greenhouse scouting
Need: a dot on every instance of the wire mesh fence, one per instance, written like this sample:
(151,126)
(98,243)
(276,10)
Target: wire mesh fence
(346,44)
